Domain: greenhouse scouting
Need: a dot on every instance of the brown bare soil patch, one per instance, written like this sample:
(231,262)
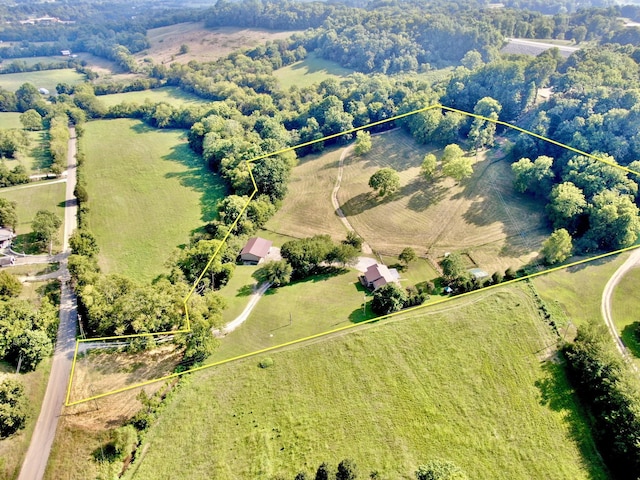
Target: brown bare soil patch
(204,44)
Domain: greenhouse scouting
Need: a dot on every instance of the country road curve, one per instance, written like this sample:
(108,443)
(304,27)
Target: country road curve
(607,296)
(35,461)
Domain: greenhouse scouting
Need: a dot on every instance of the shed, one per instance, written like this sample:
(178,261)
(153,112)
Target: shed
(43,91)
(255,250)
(65,53)
(478,273)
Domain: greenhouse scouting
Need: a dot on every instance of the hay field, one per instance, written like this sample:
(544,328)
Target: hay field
(205,45)
(481,215)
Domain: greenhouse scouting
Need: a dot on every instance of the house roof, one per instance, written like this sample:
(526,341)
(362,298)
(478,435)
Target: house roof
(257,246)
(478,273)
(378,275)
(6,234)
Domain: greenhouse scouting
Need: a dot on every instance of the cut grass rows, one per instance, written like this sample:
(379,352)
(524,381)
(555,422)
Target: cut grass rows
(466,384)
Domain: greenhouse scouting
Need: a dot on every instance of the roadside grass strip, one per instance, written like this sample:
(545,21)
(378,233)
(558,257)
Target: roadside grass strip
(384,318)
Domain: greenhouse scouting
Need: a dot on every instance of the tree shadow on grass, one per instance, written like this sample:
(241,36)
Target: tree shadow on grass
(245,290)
(27,243)
(142,127)
(199,178)
(557,394)
(40,153)
(630,339)
(361,203)
(423,193)
(594,263)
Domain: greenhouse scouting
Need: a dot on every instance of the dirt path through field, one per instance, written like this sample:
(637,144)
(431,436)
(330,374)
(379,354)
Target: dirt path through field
(607,296)
(37,456)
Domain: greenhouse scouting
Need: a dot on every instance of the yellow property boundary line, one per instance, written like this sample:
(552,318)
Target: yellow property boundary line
(187,328)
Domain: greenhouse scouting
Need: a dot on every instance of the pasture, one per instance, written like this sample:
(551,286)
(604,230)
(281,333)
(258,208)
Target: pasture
(205,45)
(307,208)
(43,79)
(309,71)
(147,192)
(465,383)
(171,95)
(30,198)
(625,308)
(35,157)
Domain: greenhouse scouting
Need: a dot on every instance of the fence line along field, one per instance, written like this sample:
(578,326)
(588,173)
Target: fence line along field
(467,384)
(147,192)
(481,215)
(204,45)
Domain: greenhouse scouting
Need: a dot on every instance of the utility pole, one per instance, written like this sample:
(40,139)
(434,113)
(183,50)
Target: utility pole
(290,319)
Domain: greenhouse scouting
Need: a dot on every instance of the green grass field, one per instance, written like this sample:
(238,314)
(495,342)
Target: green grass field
(310,311)
(466,384)
(312,69)
(170,95)
(147,192)
(576,292)
(10,120)
(44,79)
(35,158)
(33,60)
(31,198)
(626,310)
(237,291)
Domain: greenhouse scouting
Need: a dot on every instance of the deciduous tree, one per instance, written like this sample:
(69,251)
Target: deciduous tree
(388,299)
(45,226)
(363,142)
(557,247)
(429,165)
(385,181)
(277,273)
(13,407)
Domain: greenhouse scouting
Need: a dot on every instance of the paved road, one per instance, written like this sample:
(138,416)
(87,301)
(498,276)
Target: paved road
(607,295)
(37,456)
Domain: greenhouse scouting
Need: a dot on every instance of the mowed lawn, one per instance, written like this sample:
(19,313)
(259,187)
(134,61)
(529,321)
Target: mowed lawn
(307,209)
(465,385)
(295,311)
(309,71)
(147,193)
(626,310)
(31,198)
(43,79)
(481,215)
(171,95)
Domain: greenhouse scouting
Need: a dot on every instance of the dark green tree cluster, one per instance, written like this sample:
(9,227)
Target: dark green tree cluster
(12,142)
(605,387)
(310,256)
(393,298)
(13,407)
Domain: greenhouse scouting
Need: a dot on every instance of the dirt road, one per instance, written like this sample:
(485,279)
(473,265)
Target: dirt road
(607,295)
(37,456)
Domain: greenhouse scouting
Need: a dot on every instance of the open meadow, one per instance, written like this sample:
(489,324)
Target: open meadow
(625,310)
(468,382)
(312,69)
(35,158)
(31,198)
(43,79)
(171,95)
(205,45)
(147,192)
(481,216)
(307,208)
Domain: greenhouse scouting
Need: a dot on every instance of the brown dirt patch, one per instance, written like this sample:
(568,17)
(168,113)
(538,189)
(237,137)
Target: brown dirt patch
(205,45)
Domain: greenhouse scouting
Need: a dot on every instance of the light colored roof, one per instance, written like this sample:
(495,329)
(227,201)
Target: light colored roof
(378,275)
(6,234)
(257,246)
(478,273)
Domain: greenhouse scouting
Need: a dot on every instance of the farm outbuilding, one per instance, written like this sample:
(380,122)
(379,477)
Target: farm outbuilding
(43,91)
(255,251)
(478,273)
(378,275)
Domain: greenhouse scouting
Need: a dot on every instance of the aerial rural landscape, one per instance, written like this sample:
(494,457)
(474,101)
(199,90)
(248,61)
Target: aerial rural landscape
(287,240)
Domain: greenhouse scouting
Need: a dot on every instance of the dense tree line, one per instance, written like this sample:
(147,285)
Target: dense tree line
(605,388)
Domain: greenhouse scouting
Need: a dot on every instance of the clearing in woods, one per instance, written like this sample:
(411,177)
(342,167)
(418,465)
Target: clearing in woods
(147,192)
(35,158)
(309,71)
(439,384)
(205,44)
(171,95)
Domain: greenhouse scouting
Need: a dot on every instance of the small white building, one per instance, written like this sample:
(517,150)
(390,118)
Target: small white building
(43,91)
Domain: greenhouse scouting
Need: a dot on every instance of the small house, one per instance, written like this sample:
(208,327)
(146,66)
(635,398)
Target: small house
(43,91)
(6,236)
(378,275)
(255,251)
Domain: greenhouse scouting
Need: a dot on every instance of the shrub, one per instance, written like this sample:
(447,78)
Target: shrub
(266,362)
